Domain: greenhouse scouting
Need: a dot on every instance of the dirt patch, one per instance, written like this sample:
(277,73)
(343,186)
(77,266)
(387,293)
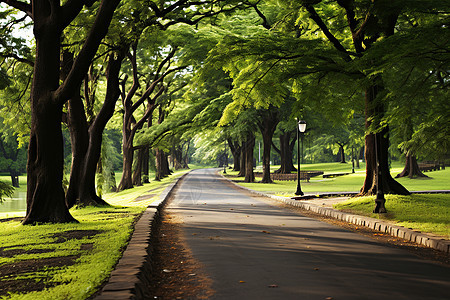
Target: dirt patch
(61,237)
(5,252)
(13,276)
(177,275)
(9,273)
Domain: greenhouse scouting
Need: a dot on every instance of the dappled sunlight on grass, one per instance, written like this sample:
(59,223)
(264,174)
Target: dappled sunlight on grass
(427,213)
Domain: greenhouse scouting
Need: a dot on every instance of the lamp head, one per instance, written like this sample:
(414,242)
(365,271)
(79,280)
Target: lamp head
(302,126)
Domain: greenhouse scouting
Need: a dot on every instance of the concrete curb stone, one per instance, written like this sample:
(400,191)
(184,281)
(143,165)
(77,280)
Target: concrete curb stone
(437,243)
(130,278)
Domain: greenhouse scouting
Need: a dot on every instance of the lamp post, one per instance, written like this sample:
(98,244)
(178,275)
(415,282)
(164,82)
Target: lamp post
(225,159)
(379,200)
(353,162)
(300,131)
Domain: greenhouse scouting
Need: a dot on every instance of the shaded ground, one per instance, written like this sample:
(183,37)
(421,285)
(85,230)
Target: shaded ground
(177,275)
(36,274)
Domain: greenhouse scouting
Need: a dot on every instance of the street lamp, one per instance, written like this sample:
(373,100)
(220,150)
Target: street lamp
(225,159)
(300,132)
(379,200)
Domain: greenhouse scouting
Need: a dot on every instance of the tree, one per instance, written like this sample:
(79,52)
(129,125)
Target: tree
(267,123)
(45,194)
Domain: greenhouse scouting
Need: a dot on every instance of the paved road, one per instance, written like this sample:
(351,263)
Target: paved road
(253,250)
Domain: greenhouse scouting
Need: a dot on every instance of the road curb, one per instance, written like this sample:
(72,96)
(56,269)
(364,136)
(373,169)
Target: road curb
(375,224)
(131,276)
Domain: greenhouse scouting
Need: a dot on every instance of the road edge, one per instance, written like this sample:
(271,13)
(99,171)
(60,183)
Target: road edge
(130,278)
(372,223)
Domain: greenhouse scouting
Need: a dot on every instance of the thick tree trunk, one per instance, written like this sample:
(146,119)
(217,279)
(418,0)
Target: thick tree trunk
(14,178)
(341,153)
(145,164)
(285,151)
(138,164)
(86,143)
(411,169)
(389,184)
(249,146)
(45,193)
(78,128)
(267,126)
(243,160)
(158,162)
(236,152)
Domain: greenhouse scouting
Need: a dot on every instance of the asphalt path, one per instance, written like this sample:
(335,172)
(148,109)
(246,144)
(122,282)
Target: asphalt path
(252,249)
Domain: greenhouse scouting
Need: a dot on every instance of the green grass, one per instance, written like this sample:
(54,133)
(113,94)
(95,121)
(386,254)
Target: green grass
(107,230)
(426,213)
(438,180)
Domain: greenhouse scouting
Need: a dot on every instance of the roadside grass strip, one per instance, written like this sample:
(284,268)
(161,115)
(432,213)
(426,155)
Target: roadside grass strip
(428,213)
(71,261)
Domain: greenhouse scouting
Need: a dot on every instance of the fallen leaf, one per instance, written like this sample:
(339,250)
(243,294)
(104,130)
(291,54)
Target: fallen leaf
(192,274)
(273,286)
(241,281)
(316,269)
(264,231)
(329,298)
(167,271)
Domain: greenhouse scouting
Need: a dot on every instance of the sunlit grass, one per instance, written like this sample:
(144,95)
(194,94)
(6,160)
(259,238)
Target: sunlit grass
(438,180)
(426,213)
(107,232)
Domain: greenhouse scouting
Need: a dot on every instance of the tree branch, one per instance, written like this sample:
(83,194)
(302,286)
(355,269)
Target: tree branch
(18,58)
(72,8)
(22,6)
(316,18)
(87,53)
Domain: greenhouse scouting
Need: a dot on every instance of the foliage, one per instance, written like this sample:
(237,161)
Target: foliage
(5,191)
(438,180)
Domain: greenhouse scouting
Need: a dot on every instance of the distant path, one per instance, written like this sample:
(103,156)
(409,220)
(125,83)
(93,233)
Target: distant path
(253,250)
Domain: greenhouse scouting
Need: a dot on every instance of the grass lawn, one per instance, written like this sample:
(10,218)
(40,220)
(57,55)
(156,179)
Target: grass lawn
(70,261)
(426,213)
(438,180)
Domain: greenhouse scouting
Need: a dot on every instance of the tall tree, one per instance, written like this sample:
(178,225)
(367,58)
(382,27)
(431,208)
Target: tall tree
(45,194)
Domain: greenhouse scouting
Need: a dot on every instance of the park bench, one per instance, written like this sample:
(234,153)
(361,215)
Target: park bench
(429,166)
(306,175)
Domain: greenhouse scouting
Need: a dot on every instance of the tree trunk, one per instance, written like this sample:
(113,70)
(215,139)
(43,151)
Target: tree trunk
(137,173)
(86,143)
(236,151)
(341,153)
(45,193)
(243,161)
(411,169)
(14,178)
(249,146)
(145,164)
(389,185)
(165,169)
(158,163)
(267,125)
(285,151)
